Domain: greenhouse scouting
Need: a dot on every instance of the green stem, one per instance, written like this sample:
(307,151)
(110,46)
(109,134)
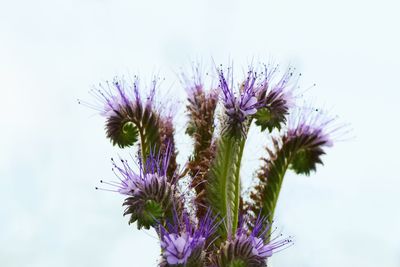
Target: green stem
(225,173)
(237,186)
(143,147)
(276,195)
(271,211)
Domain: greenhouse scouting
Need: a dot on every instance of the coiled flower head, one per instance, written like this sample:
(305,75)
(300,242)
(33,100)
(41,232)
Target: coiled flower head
(250,248)
(260,96)
(309,131)
(276,97)
(123,109)
(151,194)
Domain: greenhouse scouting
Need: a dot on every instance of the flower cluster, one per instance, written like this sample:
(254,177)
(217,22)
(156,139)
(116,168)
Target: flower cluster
(151,194)
(184,243)
(223,229)
(251,247)
(259,97)
(311,130)
(240,107)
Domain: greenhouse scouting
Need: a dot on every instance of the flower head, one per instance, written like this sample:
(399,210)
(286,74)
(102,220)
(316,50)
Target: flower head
(311,130)
(251,248)
(122,106)
(151,194)
(261,95)
(128,179)
(178,248)
(314,124)
(275,95)
(184,241)
(239,107)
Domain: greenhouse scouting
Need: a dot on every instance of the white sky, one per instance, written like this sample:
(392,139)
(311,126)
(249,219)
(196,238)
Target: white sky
(53,151)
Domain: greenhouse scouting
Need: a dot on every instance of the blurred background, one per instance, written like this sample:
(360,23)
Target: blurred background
(53,152)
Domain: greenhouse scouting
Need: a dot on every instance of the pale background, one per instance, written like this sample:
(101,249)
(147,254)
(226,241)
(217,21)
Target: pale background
(53,151)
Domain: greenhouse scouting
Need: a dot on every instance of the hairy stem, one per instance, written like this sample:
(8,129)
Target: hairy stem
(143,147)
(228,162)
(235,214)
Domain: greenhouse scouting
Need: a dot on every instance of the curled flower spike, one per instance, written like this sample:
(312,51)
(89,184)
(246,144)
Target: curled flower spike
(184,243)
(151,194)
(128,116)
(155,193)
(201,108)
(275,98)
(251,248)
(311,130)
(151,202)
(117,102)
(315,124)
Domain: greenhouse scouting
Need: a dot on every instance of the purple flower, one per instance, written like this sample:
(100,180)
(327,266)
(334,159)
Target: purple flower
(251,248)
(275,95)
(195,84)
(315,124)
(123,108)
(128,179)
(114,98)
(238,108)
(184,241)
(273,89)
(151,194)
(178,248)
(262,96)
